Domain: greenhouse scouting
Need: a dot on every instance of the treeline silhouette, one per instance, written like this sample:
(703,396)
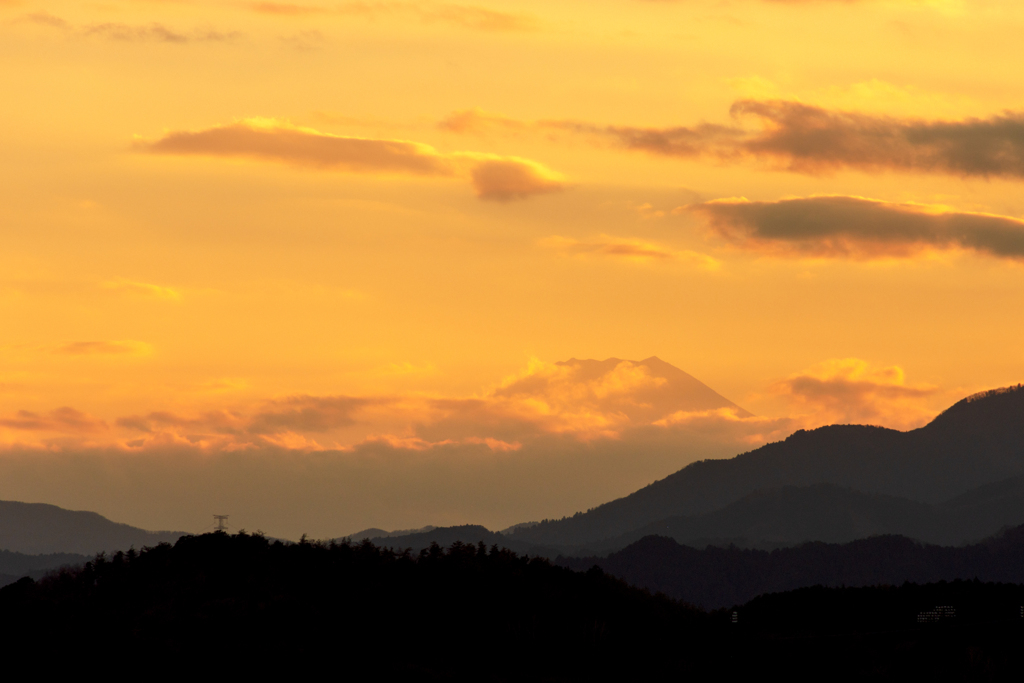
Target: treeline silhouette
(462,612)
(242,605)
(720,577)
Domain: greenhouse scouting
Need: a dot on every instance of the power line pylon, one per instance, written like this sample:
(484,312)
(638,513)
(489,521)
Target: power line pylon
(222,522)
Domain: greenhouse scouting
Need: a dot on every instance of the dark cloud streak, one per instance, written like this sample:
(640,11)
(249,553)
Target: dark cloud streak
(861,228)
(805,139)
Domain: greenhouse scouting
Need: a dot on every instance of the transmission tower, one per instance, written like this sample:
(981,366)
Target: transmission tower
(222,522)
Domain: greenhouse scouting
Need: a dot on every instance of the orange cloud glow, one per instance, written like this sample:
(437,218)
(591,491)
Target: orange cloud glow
(851,390)
(579,399)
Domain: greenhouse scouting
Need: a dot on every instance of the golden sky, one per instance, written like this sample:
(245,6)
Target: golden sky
(315,264)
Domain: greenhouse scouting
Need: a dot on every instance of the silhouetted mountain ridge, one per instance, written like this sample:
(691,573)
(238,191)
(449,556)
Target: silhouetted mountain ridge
(978,441)
(720,577)
(38,528)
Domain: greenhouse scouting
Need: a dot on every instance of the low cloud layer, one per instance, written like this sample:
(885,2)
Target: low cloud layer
(551,440)
(839,226)
(580,400)
(492,177)
(803,138)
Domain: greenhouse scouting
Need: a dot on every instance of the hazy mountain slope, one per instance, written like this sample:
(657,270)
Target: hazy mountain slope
(985,510)
(374,532)
(14,565)
(37,528)
(791,515)
(720,577)
(978,441)
(834,514)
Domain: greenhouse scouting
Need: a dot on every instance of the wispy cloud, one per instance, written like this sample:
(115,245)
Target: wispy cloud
(462,16)
(841,226)
(44,18)
(130,33)
(493,177)
(286,9)
(478,18)
(105,348)
(628,249)
(64,420)
(144,289)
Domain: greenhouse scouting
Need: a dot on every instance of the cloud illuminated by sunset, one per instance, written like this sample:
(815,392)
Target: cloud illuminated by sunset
(493,177)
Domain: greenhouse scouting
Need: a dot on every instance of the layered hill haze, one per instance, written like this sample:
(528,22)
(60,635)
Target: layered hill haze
(791,515)
(720,577)
(777,518)
(978,441)
(37,528)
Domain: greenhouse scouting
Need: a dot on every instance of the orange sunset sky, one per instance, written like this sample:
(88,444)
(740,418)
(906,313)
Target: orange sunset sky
(319,265)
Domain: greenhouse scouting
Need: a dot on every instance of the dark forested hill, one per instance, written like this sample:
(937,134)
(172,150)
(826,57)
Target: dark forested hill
(465,613)
(978,441)
(241,606)
(37,528)
(719,577)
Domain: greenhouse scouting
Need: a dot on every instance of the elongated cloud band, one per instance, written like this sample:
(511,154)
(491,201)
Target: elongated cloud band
(628,249)
(807,139)
(861,228)
(810,138)
(493,177)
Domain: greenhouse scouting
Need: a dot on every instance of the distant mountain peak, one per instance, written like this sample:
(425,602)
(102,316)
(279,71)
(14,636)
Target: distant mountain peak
(672,390)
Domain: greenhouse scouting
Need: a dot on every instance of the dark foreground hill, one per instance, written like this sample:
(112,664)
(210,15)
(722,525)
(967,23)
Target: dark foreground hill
(37,528)
(946,631)
(465,613)
(976,442)
(219,605)
(719,577)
